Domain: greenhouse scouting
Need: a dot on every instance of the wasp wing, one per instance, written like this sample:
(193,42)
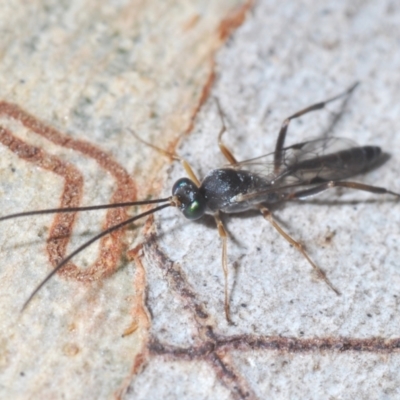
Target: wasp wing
(321,159)
(308,163)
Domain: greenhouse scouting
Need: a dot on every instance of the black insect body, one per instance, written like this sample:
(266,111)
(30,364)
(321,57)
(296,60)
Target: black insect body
(220,189)
(289,173)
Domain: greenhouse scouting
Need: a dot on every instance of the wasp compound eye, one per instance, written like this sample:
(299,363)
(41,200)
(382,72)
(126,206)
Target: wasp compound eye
(192,203)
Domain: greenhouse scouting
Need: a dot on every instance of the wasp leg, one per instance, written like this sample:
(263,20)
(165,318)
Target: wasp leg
(224,237)
(173,156)
(303,194)
(224,150)
(321,274)
(278,156)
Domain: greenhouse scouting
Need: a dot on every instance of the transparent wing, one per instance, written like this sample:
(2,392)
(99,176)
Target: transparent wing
(321,159)
(305,165)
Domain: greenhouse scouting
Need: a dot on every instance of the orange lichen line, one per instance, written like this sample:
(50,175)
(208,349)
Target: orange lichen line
(235,18)
(203,97)
(140,313)
(111,246)
(70,197)
(141,319)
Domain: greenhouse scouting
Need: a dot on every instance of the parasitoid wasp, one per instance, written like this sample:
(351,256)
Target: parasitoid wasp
(290,173)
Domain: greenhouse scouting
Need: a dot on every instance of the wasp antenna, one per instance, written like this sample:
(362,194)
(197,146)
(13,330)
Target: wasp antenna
(94,239)
(88,208)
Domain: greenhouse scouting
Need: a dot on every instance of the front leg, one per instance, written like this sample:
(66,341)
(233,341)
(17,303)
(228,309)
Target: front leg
(173,156)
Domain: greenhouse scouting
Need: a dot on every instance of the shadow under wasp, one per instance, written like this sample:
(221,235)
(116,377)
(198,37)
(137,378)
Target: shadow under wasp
(290,173)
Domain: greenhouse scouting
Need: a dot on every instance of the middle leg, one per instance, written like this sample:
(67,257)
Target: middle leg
(224,237)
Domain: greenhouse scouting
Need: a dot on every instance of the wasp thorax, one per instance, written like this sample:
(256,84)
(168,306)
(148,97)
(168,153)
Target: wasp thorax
(191,202)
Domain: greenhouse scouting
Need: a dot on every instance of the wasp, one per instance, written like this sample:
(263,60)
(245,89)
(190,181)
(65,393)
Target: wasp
(289,173)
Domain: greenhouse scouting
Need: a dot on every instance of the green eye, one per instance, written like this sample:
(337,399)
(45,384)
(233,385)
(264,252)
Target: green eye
(195,210)
(192,204)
